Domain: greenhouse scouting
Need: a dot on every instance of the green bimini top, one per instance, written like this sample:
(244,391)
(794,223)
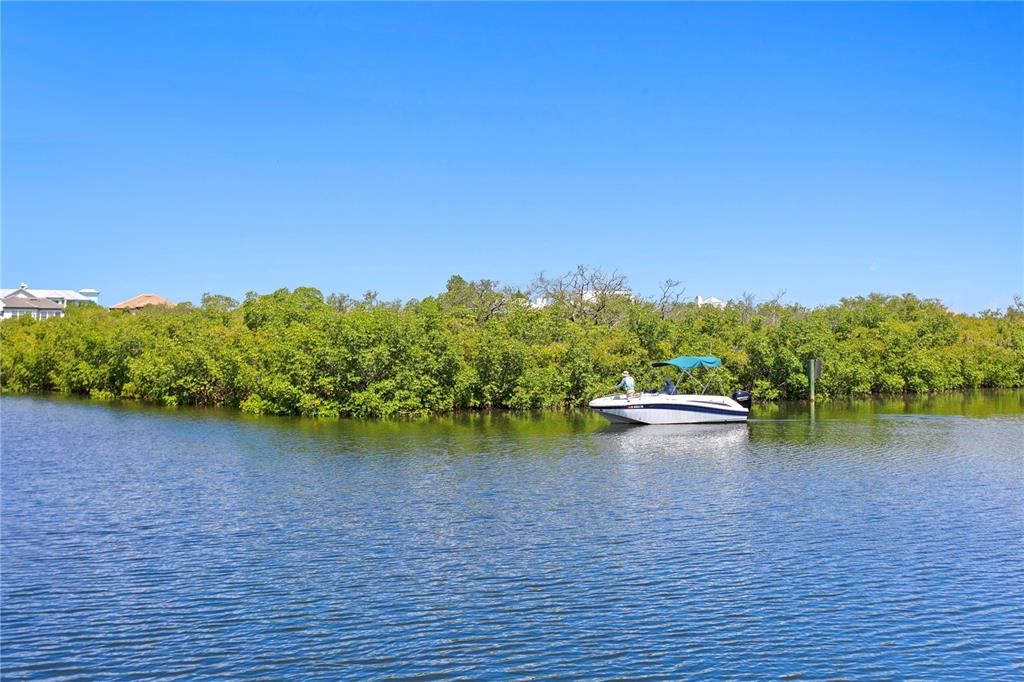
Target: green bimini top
(690,362)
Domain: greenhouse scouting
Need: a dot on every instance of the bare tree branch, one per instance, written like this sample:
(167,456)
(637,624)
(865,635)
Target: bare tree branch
(585,292)
(669,297)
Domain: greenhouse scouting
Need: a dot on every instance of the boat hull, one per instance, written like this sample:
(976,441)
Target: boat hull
(656,408)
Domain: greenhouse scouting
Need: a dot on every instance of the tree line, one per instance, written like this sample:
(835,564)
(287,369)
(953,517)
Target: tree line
(481,345)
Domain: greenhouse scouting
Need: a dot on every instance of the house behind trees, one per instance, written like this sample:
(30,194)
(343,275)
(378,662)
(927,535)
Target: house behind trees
(141,301)
(42,303)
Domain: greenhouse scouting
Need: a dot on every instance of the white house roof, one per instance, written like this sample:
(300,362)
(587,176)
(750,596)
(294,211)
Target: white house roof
(711,301)
(66,294)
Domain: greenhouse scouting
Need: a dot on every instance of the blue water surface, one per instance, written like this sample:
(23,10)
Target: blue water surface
(876,541)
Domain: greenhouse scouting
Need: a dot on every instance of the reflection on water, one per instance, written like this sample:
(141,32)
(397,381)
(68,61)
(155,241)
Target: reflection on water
(880,539)
(702,440)
(965,404)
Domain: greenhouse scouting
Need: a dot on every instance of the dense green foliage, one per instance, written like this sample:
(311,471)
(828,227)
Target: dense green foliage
(476,346)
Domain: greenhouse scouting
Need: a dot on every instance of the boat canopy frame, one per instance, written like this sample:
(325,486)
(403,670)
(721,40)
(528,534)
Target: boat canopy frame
(687,363)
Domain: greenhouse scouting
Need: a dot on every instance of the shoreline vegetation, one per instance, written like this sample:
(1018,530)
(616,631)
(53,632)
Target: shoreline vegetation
(478,345)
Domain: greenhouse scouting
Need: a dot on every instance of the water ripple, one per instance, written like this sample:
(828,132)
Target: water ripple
(160,545)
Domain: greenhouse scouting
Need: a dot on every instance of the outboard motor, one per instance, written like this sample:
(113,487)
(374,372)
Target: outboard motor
(744,398)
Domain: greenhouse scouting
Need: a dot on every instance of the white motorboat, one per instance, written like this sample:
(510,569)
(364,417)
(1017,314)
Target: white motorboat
(672,408)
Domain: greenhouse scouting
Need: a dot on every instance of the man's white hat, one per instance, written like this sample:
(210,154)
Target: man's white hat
(625,374)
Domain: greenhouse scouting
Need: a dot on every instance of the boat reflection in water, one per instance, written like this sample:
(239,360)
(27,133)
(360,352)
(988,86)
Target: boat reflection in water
(679,439)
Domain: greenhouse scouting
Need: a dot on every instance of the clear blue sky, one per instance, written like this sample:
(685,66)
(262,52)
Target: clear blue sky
(824,150)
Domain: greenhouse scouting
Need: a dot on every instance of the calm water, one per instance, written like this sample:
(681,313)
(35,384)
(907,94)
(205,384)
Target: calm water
(880,541)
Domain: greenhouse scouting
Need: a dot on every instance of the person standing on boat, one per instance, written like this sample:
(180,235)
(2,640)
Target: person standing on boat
(627,384)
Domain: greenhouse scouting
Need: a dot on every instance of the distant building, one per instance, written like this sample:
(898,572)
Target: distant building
(141,301)
(62,297)
(29,306)
(711,301)
(584,297)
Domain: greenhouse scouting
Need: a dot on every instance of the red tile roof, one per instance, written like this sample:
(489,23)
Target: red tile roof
(141,301)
